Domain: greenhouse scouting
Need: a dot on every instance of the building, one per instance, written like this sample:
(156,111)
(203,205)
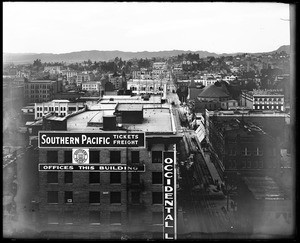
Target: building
(82,78)
(92,86)
(229,104)
(113,204)
(70,75)
(263,99)
(57,107)
(264,206)
(143,73)
(41,90)
(53,69)
(117,81)
(153,86)
(242,146)
(211,97)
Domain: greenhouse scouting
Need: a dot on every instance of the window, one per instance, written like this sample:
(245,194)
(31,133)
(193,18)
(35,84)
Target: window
(94,177)
(115,177)
(135,178)
(157,218)
(68,156)
(115,197)
(157,197)
(135,197)
(259,151)
(68,177)
(243,164)
(246,152)
(52,197)
(94,197)
(249,164)
(52,156)
(94,217)
(115,157)
(68,197)
(255,164)
(260,164)
(53,217)
(156,177)
(156,156)
(52,177)
(232,152)
(115,218)
(94,157)
(68,217)
(135,156)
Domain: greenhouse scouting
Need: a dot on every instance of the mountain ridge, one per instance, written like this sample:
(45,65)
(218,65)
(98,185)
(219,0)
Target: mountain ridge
(96,55)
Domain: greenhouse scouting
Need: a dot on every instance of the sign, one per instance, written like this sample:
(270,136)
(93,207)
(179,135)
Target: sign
(92,167)
(52,139)
(80,156)
(169,194)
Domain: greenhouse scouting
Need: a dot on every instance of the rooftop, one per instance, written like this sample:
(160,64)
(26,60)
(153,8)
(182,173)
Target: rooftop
(264,187)
(130,107)
(265,92)
(156,120)
(213,91)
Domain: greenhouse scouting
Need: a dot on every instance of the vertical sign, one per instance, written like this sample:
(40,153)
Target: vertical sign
(169,195)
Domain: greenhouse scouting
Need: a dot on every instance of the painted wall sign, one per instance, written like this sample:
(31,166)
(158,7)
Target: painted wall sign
(48,139)
(91,167)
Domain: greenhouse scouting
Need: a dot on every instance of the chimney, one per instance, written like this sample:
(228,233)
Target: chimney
(109,123)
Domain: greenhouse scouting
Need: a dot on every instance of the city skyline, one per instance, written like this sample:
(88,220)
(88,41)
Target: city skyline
(126,26)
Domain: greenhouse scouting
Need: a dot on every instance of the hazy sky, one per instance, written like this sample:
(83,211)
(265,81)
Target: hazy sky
(44,27)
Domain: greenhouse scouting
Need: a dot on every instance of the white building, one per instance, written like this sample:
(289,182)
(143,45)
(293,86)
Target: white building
(59,107)
(154,86)
(53,69)
(91,86)
(69,74)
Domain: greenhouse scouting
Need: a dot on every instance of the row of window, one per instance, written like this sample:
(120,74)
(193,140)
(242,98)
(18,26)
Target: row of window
(51,108)
(268,99)
(40,86)
(94,177)
(268,107)
(94,197)
(68,217)
(247,152)
(115,156)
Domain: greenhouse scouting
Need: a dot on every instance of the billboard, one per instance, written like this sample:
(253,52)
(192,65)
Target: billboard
(52,139)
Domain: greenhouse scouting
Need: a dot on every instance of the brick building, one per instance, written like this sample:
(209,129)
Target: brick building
(41,90)
(242,147)
(113,204)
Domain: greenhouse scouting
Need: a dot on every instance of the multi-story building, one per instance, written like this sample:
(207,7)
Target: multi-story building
(53,69)
(82,78)
(112,204)
(57,107)
(143,73)
(69,74)
(153,86)
(263,99)
(41,90)
(92,86)
(242,146)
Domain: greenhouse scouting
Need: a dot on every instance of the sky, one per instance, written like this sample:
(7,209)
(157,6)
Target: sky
(62,27)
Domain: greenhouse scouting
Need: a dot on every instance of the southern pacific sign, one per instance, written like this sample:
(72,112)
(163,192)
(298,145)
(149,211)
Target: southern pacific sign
(91,140)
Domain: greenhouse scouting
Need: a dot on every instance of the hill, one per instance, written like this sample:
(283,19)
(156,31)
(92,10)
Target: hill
(94,55)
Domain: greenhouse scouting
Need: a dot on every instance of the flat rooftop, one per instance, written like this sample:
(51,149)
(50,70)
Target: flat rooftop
(244,112)
(156,120)
(125,99)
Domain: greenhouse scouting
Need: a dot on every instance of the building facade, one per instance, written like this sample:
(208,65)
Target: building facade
(41,90)
(263,100)
(57,107)
(109,205)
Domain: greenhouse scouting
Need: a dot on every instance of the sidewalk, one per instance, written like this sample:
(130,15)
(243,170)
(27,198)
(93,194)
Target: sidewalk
(212,169)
